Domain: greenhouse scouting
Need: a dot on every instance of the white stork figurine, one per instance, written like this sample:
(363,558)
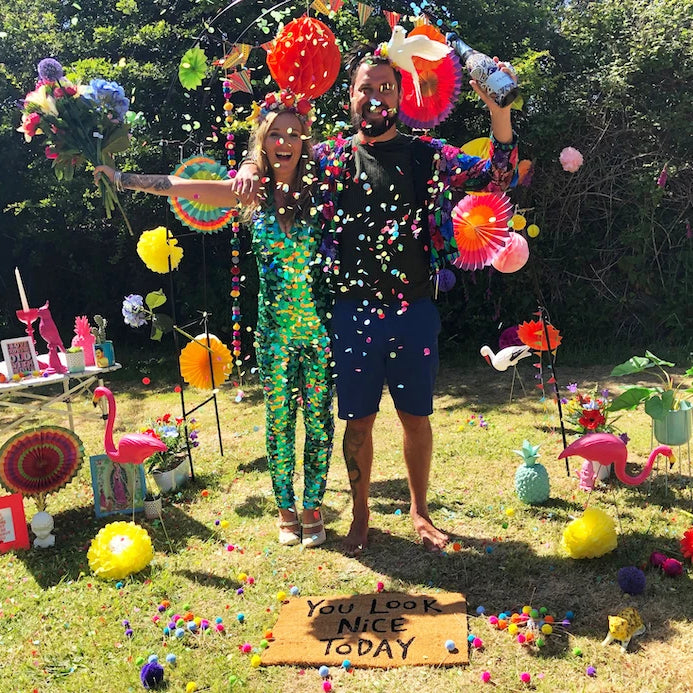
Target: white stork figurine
(506,358)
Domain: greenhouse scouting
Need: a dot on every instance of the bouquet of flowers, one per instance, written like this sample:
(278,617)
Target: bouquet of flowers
(173,431)
(80,123)
(588,412)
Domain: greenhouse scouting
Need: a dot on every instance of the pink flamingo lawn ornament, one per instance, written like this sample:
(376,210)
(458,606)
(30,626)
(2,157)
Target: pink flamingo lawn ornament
(133,448)
(606,448)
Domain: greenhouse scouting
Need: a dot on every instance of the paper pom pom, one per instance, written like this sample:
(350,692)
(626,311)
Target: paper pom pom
(570,159)
(152,674)
(631,580)
(120,549)
(590,536)
(446,279)
(194,362)
(532,334)
(154,251)
(657,558)
(687,544)
(304,57)
(514,256)
(672,567)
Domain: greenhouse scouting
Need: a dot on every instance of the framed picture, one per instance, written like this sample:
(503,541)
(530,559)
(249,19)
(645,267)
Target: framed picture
(115,485)
(13,531)
(20,356)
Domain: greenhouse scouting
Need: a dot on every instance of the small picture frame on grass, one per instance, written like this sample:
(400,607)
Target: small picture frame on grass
(113,486)
(19,355)
(13,530)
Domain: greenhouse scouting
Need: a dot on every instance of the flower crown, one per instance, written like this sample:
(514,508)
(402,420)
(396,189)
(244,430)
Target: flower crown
(284,101)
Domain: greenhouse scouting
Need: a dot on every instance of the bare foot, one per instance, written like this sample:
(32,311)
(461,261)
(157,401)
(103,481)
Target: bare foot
(434,540)
(357,538)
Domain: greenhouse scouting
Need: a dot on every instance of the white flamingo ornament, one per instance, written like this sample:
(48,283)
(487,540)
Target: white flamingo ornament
(401,49)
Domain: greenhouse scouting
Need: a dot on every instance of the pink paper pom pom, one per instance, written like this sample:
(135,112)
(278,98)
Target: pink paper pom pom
(672,567)
(570,159)
(525,677)
(513,256)
(486,676)
(657,558)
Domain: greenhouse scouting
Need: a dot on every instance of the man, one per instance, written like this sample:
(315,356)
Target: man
(388,212)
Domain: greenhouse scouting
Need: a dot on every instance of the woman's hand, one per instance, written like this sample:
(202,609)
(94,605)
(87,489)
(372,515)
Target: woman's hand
(105,171)
(246,184)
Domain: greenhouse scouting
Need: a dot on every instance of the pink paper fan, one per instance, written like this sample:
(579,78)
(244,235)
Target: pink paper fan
(480,226)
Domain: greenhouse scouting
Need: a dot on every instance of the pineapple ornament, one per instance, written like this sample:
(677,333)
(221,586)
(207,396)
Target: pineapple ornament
(531,478)
(85,339)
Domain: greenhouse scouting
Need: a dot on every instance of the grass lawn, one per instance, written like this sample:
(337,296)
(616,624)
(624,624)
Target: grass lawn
(61,628)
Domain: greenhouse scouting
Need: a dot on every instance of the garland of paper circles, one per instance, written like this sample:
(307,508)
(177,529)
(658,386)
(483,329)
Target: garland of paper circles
(196,215)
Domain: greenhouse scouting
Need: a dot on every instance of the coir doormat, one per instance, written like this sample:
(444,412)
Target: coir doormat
(389,629)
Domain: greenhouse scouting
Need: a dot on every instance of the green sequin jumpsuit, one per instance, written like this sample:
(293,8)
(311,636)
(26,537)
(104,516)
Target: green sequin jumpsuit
(293,352)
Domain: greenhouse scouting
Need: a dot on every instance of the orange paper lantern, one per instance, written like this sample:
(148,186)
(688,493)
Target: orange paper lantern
(304,57)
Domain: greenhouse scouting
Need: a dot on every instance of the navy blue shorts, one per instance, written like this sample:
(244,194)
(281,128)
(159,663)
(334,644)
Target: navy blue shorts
(373,345)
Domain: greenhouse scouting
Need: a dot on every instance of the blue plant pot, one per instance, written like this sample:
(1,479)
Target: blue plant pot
(105,355)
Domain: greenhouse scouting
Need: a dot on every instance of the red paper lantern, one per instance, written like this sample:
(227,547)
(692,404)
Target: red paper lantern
(304,57)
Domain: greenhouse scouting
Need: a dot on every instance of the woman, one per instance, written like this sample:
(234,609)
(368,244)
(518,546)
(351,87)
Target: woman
(293,347)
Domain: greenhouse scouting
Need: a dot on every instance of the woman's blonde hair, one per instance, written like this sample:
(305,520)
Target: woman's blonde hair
(305,171)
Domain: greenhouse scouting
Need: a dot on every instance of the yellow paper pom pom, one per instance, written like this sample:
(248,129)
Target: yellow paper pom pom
(255,660)
(532,230)
(154,251)
(194,362)
(120,549)
(518,222)
(190,687)
(590,536)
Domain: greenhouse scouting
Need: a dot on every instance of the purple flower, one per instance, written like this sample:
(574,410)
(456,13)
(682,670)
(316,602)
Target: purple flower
(572,387)
(50,70)
(605,394)
(625,438)
(133,311)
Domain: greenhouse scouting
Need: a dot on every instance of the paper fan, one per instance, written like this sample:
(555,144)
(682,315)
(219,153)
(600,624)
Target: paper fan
(441,83)
(194,362)
(40,460)
(481,147)
(193,214)
(480,226)
(532,334)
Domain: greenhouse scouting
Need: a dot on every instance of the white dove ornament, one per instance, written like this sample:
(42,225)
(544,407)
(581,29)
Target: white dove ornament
(401,49)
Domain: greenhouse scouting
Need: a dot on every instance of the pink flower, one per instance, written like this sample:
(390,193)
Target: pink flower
(29,126)
(662,180)
(672,567)
(51,153)
(58,93)
(70,91)
(570,159)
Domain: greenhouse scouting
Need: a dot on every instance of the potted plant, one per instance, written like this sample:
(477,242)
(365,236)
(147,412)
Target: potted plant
(74,359)
(668,405)
(589,412)
(103,347)
(171,469)
(152,504)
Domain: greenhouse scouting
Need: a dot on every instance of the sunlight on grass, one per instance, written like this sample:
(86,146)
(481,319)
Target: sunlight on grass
(61,629)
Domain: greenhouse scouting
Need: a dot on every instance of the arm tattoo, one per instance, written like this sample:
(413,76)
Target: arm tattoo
(351,445)
(145,182)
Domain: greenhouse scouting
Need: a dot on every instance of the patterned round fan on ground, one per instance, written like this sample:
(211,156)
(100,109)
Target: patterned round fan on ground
(193,214)
(441,83)
(40,460)
(480,226)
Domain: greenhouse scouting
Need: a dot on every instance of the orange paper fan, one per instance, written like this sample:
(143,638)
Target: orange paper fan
(480,226)
(195,362)
(532,334)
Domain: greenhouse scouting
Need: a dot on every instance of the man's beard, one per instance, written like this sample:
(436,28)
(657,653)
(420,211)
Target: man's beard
(369,128)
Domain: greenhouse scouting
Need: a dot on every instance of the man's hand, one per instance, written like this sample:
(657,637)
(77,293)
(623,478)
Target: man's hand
(488,100)
(246,184)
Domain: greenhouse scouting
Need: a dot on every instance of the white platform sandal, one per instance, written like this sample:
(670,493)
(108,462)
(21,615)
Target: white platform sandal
(311,539)
(286,536)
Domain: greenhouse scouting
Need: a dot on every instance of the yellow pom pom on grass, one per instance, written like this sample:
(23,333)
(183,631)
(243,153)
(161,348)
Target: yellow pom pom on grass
(590,536)
(120,549)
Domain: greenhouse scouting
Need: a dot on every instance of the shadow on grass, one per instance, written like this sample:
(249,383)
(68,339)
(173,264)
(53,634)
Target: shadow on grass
(506,575)
(259,464)
(75,529)
(210,579)
(397,493)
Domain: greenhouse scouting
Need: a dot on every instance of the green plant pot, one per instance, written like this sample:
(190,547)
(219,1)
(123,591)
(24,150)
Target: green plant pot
(675,428)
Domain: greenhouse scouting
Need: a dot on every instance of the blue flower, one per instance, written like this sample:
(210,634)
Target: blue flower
(50,70)
(133,311)
(109,97)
